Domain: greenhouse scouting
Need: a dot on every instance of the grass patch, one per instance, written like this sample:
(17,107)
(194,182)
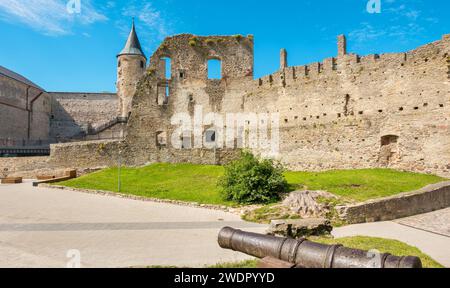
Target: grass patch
(393,247)
(198,183)
(361,185)
(183,182)
(265,214)
(227,265)
(243,264)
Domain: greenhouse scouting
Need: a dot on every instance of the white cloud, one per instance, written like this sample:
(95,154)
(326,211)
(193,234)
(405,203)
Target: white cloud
(401,22)
(153,27)
(110,4)
(365,33)
(49,17)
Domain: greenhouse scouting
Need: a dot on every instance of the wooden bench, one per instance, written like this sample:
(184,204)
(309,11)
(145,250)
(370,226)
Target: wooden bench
(68,174)
(12,180)
(71,173)
(45,177)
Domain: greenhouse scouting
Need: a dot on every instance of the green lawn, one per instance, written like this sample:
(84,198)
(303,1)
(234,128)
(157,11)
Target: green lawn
(184,182)
(198,183)
(362,185)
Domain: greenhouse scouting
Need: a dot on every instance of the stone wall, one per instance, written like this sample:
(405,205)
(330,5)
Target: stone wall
(73,114)
(431,198)
(92,155)
(77,155)
(27,167)
(158,98)
(196,156)
(347,112)
(86,155)
(340,113)
(389,110)
(24,113)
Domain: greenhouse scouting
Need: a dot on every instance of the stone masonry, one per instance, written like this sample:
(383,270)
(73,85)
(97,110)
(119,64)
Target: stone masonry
(346,112)
(349,111)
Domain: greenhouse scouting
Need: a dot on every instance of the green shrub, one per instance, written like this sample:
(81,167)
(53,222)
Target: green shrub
(193,41)
(251,180)
(238,37)
(210,41)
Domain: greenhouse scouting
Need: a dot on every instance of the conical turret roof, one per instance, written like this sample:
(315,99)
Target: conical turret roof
(133,46)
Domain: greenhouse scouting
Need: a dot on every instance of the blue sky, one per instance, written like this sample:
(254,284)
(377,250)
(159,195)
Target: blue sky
(76,52)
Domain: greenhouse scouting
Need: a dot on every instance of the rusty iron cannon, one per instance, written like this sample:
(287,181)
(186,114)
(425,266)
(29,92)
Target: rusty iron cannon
(277,252)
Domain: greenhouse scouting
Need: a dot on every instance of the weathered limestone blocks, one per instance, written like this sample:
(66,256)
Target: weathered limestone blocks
(93,154)
(427,199)
(342,45)
(300,228)
(26,167)
(74,114)
(307,204)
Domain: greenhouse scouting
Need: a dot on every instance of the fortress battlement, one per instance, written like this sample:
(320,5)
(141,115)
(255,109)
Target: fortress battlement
(330,67)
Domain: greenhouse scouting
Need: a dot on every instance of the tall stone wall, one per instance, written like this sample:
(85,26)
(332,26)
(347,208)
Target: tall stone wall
(389,110)
(157,98)
(73,114)
(24,113)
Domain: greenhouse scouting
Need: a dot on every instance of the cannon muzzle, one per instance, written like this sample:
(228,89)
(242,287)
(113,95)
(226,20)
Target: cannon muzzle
(306,254)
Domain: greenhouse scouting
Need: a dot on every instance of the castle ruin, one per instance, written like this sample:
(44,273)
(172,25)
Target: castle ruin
(346,112)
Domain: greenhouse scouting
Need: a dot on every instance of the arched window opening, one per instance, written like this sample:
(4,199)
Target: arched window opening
(214,69)
(142,64)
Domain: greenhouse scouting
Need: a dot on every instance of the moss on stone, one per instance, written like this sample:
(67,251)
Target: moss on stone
(193,42)
(238,37)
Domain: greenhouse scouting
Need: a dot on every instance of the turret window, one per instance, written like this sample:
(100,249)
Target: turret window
(142,64)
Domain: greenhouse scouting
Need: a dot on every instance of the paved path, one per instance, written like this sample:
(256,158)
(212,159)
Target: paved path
(428,232)
(38,226)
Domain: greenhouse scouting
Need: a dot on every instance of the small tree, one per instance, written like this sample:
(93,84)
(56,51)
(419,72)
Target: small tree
(251,180)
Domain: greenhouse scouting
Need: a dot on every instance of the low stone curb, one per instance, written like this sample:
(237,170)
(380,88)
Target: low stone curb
(238,211)
(428,199)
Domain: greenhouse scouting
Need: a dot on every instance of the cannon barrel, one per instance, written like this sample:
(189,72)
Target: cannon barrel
(306,254)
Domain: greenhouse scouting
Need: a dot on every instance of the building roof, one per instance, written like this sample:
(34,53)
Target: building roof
(133,46)
(13,75)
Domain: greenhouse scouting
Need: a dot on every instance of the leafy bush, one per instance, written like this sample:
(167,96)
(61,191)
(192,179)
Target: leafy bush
(193,41)
(210,41)
(238,37)
(251,180)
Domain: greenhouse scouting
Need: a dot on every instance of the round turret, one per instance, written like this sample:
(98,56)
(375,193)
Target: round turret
(131,65)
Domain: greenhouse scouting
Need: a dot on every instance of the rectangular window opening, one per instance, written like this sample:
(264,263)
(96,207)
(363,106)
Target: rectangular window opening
(214,69)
